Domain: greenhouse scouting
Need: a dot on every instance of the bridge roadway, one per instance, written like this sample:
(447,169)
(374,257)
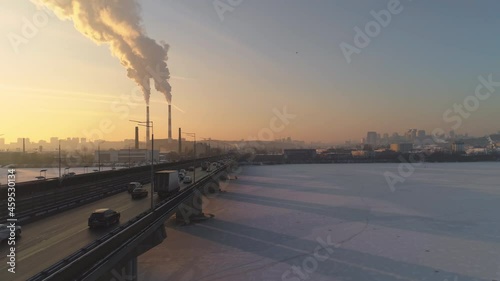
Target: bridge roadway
(51,239)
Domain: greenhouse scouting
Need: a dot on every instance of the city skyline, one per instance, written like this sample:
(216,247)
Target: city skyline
(415,74)
(370,137)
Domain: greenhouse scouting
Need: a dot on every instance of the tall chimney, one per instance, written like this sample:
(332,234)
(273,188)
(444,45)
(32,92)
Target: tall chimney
(136,137)
(169,122)
(147,127)
(180,145)
(24,145)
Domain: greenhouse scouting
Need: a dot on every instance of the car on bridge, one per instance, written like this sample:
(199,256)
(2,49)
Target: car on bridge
(103,217)
(187,179)
(5,231)
(133,185)
(139,192)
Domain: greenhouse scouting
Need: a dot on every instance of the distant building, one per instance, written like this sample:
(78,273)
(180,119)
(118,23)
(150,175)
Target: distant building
(361,153)
(458,147)
(411,135)
(299,155)
(402,147)
(126,155)
(371,138)
(421,134)
(268,159)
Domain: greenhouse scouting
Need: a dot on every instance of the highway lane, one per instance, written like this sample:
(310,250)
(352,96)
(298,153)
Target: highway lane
(49,240)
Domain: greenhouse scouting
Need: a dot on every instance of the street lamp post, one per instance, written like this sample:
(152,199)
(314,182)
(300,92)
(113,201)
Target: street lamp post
(194,158)
(147,124)
(59,159)
(99,157)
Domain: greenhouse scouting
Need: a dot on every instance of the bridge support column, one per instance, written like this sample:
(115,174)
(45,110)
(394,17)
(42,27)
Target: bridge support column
(191,209)
(211,189)
(125,267)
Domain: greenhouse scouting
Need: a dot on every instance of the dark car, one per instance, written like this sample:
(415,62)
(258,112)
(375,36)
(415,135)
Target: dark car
(191,168)
(139,192)
(187,179)
(103,217)
(133,185)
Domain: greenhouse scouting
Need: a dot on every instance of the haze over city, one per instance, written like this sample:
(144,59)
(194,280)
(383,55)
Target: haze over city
(249,140)
(229,73)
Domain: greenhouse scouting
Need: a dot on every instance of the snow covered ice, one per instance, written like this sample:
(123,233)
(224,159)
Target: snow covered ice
(341,222)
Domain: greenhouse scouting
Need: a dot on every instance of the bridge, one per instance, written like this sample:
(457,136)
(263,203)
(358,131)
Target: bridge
(61,247)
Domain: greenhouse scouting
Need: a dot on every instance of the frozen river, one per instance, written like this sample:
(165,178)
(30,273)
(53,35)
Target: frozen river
(30,174)
(341,222)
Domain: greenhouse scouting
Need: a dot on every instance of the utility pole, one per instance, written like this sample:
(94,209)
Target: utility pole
(59,158)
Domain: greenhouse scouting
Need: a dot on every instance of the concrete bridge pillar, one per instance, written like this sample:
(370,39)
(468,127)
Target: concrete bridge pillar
(192,209)
(125,267)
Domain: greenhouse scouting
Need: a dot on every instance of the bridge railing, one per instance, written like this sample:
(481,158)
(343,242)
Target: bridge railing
(88,259)
(41,205)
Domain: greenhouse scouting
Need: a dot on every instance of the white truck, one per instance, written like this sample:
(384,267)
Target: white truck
(166,182)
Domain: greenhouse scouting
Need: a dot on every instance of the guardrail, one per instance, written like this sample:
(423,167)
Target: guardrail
(36,207)
(48,203)
(33,187)
(85,261)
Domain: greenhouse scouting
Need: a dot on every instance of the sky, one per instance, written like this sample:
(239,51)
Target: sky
(237,70)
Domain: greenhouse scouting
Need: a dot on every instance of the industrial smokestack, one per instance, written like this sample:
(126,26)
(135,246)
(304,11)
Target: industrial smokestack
(147,126)
(119,25)
(169,122)
(180,146)
(136,137)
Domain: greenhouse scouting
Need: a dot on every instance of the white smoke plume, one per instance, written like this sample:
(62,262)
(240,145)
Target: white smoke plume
(118,23)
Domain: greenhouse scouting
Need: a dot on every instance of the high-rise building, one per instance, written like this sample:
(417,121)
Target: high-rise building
(411,135)
(371,138)
(421,133)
